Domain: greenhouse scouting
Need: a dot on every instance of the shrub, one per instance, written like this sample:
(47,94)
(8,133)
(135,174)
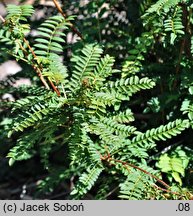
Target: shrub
(83,109)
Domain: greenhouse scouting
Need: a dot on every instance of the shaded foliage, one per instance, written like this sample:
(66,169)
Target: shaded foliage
(92,108)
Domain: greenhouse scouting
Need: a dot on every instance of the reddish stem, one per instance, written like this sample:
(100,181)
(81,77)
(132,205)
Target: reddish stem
(64,15)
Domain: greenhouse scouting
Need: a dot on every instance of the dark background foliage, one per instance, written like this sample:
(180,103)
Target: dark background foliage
(141,43)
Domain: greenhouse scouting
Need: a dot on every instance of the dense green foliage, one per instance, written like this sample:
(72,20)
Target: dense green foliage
(119,109)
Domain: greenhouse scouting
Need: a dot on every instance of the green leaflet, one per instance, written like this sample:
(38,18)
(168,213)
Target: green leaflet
(91,119)
(52,32)
(173,165)
(87,180)
(163,132)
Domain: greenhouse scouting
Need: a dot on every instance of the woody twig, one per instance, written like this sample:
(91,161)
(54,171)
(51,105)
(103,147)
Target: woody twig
(35,65)
(109,159)
(64,15)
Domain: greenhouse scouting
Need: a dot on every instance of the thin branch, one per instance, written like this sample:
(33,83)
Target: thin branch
(54,87)
(36,68)
(182,45)
(166,149)
(59,8)
(111,192)
(125,164)
(25,52)
(39,71)
(168,191)
(64,15)
(2,19)
(31,50)
(108,158)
